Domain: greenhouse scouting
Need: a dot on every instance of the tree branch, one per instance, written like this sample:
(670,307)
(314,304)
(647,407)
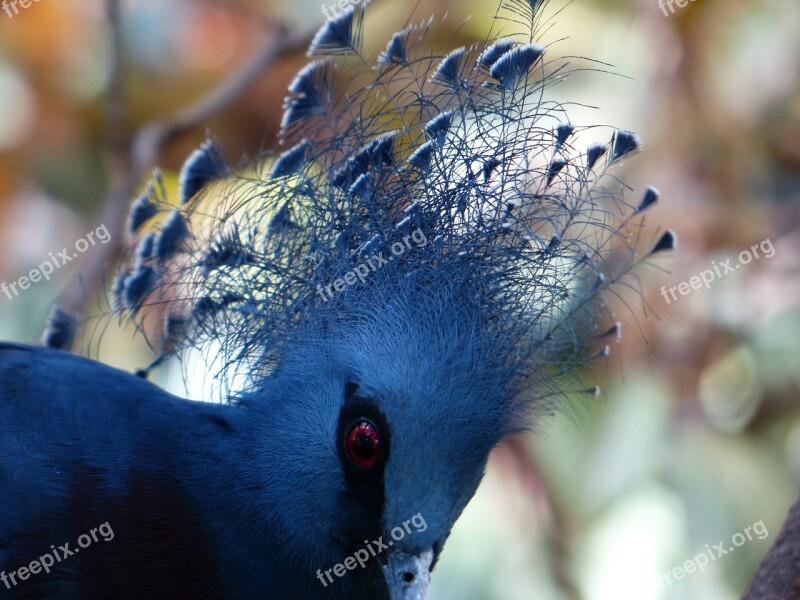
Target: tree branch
(152,137)
(778,575)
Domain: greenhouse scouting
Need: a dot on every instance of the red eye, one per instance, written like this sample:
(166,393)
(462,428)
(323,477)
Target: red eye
(363,444)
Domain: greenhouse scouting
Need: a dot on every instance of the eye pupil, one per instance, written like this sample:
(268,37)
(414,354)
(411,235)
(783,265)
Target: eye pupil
(363,444)
(363,447)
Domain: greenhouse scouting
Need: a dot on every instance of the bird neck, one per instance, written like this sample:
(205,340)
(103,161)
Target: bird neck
(265,497)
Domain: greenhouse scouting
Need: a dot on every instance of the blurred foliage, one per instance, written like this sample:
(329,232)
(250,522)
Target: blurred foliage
(697,435)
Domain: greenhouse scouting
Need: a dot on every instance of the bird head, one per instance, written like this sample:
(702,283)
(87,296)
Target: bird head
(410,282)
(385,419)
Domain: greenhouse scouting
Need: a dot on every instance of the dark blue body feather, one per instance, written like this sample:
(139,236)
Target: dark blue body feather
(84,444)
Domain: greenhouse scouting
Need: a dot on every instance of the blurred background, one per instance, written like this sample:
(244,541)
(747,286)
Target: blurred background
(696,438)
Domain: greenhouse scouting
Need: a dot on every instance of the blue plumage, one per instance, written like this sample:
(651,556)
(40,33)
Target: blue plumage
(554,169)
(138,285)
(290,162)
(143,210)
(395,52)
(651,196)
(594,153)
(309,88)
(421,157)
(412,280)
(665,243)
(436,129)
(493,52)
(448,71)
(624,143)
(339,36)
(204,165)
(563,132)
(515,64)
(172,235)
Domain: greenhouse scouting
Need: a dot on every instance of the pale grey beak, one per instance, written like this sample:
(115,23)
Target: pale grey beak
(407,575)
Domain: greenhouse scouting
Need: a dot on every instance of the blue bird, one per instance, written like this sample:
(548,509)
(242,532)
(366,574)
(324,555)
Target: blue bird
(412,280)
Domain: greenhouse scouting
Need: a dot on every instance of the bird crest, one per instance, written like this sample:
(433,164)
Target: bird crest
(441,203)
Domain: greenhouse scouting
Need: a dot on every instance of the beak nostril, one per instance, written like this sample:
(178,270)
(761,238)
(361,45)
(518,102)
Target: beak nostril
(408,574)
